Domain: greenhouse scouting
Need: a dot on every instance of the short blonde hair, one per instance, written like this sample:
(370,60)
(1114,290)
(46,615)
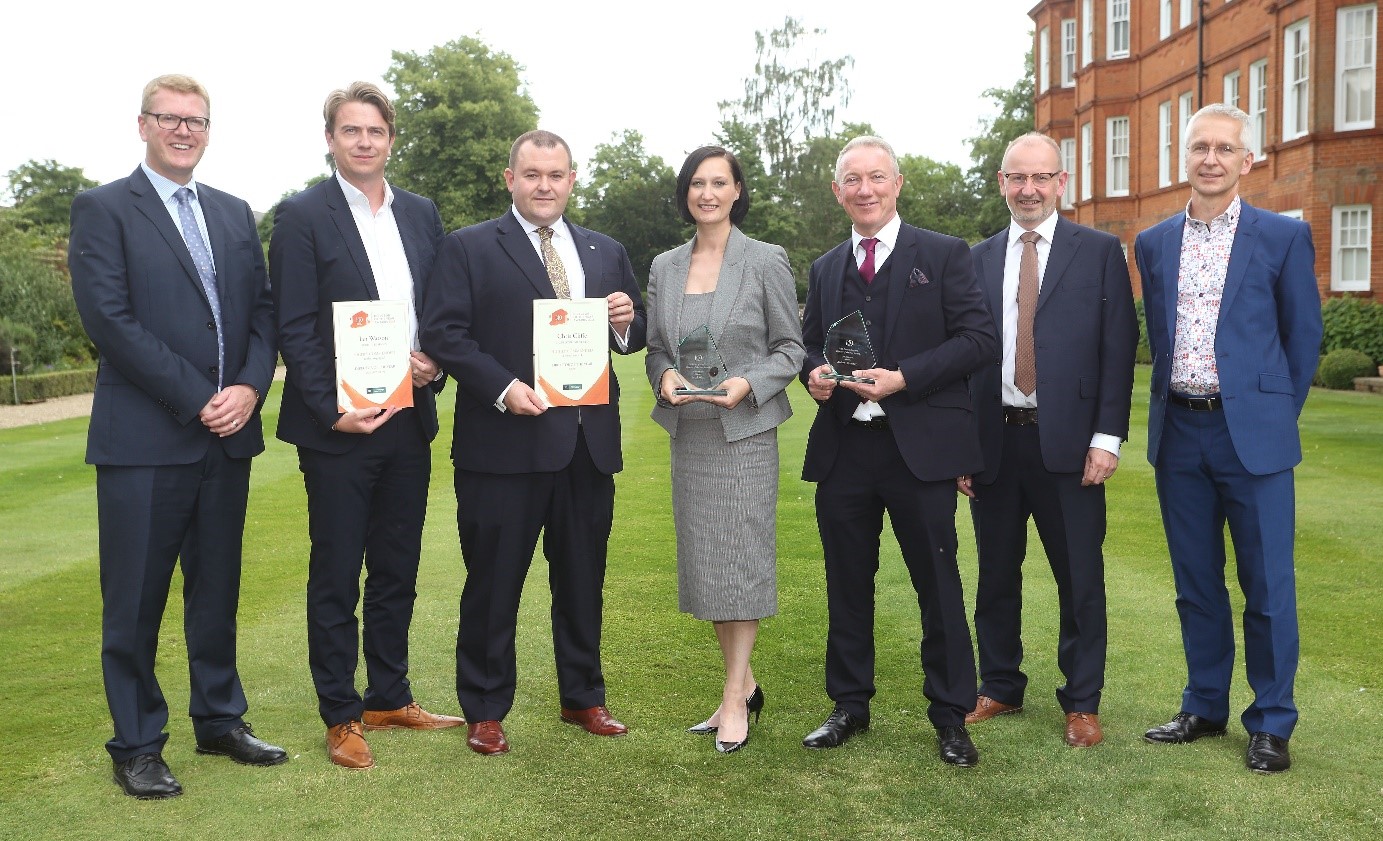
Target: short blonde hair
(173,82)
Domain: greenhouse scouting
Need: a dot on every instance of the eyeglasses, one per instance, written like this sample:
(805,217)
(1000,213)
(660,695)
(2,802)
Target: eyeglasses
(1201,150)
(1021,179)
(878,179)
(170,122)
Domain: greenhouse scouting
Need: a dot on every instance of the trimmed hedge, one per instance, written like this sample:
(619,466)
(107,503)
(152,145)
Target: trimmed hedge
(1339,368)
(1353,323)
(36,387)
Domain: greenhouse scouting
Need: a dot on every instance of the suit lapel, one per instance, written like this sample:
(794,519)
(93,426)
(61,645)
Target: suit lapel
(1171,269)
(904,258)
(1065,243)
(992,259)
(340,212)
(590,261)
(1240,255)
(515,242)
(672,295)
(147,201)
(728,282)
(410,229)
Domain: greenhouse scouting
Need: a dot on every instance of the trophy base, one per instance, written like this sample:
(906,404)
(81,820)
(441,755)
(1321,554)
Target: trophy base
(846,378)
(700,392)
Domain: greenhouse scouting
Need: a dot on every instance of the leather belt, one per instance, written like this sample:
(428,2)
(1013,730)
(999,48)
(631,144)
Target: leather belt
(1207,403)
(880,422)
(1019,417)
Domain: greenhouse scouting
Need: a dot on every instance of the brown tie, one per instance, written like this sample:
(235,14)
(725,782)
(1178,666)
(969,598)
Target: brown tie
(867,267)
(556,272)
(1025,355)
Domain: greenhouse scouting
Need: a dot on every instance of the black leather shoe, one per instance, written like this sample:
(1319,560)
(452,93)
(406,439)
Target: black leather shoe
(1185,727)
(955,747)
(241,745)
(1267,754)
(147,777)
(836,730)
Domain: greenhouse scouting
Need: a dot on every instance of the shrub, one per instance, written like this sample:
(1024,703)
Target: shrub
(1339,368)
(35,387)
(1353,323)
(36,296)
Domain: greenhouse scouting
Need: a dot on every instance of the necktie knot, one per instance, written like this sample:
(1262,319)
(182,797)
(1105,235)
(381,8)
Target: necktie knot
(183,195)
(545,234)
(1030,237)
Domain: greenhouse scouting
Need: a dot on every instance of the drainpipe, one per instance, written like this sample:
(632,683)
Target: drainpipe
(1200,53)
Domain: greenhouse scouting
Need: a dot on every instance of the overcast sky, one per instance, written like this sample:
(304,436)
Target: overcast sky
(594,68)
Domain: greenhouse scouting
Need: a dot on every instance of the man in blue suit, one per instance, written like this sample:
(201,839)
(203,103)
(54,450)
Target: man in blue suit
(523,468)
(168,276)
(896,444)
(1052,413)
(354,237)
(1234,324)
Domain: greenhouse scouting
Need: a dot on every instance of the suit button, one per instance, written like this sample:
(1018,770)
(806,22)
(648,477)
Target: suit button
(212,369)
(211,325)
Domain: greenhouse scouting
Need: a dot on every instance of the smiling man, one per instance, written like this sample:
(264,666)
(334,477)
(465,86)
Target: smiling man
(169,280)
(355,237)
(897,444)
(1234,325)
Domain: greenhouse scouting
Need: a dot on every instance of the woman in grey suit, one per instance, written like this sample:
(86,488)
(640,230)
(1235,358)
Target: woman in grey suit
(725,448)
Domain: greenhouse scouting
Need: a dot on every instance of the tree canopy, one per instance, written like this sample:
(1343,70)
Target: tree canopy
(1014,118)
(43,192)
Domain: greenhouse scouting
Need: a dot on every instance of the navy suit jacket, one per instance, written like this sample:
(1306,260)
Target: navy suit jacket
(144,308)
(477,323)
(1085,332)
(316,257)
(1267,338)
(937,331)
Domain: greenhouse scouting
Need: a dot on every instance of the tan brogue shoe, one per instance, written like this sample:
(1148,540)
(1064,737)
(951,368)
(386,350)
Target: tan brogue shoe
(986,708)
(1083,730)
(411,717)
(346,746)
(594,720)
(486,738)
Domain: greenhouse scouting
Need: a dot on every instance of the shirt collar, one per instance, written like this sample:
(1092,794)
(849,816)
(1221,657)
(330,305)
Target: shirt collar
(166,187)
(888,234)
(1045,229)
(559,228)
(356,197)
(1230,218)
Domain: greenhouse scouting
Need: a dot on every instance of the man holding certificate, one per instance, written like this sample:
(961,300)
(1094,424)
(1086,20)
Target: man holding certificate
(535,450)
(349,260)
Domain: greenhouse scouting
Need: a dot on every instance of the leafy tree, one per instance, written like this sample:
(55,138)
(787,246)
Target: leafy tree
(937,196)
(39,314)
(628,194)
(43,193)
(1015,118)
(265,226)
(460,107)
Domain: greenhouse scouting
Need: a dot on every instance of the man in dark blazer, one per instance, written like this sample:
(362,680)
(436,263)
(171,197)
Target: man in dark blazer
(1053,412)
(169,280)
(354,237)
(897,444)
(523,468)
(1234,325)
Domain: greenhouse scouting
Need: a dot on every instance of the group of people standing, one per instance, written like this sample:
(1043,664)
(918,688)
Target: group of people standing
(173,290)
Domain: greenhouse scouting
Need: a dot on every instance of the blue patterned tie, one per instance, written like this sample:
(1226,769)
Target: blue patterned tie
(201,258)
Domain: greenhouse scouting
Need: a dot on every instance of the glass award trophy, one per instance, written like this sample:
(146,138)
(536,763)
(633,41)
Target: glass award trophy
(699,363)
(848,349)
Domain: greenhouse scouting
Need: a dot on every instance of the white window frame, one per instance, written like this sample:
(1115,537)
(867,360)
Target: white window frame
(1044,59)
(1258,108)
(1116,156)
(1292,214)
(1164,19)
(1231,88)
(1186,6)
(1087,32)
(1296,80)
(1087,161)
(1164,144)
(1068,165)
(1357,240)
(1183,122)
(1068,53)
(1356,66)
(1118,29)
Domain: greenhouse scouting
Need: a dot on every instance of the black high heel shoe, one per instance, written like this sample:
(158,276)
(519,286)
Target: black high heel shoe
(755,703)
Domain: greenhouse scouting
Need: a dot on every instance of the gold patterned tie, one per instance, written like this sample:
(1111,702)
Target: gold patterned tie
(556,272)
(1025,354)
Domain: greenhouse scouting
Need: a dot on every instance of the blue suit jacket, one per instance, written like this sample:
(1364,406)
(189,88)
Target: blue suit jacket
(1085,332)
(1267,338)
(477,323)
(316,257)
(144,308)
(937,331)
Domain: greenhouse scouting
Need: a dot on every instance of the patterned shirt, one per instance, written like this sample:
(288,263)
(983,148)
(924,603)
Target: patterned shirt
(1205,251)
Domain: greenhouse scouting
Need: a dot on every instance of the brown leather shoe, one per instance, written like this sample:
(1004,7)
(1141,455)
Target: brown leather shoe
(346,746)
(1083,730)
(595,720)
(487,738)
(986,708)
(411,717)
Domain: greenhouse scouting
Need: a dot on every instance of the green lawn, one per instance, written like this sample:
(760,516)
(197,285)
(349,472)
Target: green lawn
(663,673)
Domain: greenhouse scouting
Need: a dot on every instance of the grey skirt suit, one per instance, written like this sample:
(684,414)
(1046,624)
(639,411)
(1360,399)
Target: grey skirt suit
(725,461)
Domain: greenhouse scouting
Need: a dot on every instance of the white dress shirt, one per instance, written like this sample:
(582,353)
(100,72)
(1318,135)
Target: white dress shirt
(379,231)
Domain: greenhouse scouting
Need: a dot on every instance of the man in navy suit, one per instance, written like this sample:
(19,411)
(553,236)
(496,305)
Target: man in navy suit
(169,280)
(897,444)
(523,468)
(1234,325)
(354,237)
(1053,412)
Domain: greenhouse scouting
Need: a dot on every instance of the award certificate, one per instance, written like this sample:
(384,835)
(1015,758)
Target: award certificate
(373,369)
(571,351)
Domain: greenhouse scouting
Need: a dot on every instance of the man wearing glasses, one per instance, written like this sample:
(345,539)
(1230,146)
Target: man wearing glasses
(1052,412)
(1234,324)
(169,279)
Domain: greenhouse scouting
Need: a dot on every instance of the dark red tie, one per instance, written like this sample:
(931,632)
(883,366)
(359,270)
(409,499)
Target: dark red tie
(867,267)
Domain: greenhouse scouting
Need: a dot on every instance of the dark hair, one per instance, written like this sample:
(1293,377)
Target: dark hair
(739,209)
(542,140)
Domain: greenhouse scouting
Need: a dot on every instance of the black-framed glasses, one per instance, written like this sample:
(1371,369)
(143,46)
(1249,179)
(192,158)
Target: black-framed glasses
(1021,179)
(170,122)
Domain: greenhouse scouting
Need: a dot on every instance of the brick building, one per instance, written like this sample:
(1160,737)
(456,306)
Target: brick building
(1117,80)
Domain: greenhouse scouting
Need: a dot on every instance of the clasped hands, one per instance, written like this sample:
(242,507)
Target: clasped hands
(736,388)
(886,382)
